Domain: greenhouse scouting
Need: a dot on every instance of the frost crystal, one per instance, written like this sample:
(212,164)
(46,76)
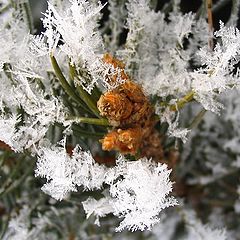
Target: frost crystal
(198,231)
(7,130)
(217,74)
(99,208)
(20,226)
(64,173)
(173,120)
(157,61)
(22,74)
(138,194)
(141,194)
(82,42)
(41,112)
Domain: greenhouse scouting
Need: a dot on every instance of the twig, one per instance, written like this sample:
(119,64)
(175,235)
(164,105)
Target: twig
(181,102)
(210,23)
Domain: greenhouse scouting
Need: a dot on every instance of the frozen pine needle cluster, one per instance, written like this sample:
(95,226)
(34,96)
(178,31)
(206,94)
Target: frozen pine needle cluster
(119,116)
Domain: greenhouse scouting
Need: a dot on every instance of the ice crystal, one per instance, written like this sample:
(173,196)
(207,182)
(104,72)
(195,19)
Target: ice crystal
(41,113)
(172,119)
(19,227)
(162,69)
(214,78)
(141,195)
(199,231)
(138,194)
(82,42)
(55,166)
(64,173)
(100,208)
(7,130)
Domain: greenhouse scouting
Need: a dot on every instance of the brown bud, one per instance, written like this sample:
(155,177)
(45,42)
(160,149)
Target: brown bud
(125,141)
(115,107)
(128,108)
(133,91)
(110,141)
